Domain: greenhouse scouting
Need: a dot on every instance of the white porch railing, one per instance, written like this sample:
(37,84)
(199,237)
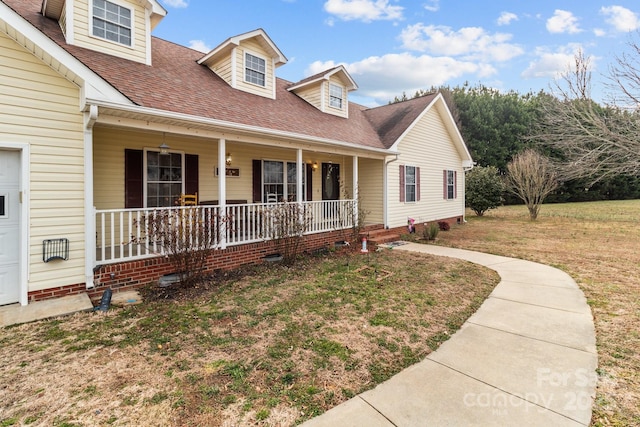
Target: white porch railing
(121,234)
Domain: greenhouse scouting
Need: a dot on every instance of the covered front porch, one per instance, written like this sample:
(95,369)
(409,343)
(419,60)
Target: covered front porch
(139,174)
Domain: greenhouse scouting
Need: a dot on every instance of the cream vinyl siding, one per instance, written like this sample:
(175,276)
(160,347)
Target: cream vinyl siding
(40,108)
(108,160)
(429,147)
(312,94)
(110,143)
(370,184)
(222,68)
(63,20)
(254,48)
(343,112)
(84,38)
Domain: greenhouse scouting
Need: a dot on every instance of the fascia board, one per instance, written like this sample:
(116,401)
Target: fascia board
(225,126)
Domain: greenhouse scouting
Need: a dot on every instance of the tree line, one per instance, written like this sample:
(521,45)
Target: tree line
(592,148)
(498,125)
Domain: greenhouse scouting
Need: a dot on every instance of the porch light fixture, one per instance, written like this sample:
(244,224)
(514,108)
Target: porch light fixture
(228,159)
(314,166)
(164,148)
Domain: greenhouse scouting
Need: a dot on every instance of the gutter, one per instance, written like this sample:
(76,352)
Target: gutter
(235,127)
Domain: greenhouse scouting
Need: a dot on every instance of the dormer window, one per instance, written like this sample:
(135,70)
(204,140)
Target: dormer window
(112,22)
(254,70)
(335,96)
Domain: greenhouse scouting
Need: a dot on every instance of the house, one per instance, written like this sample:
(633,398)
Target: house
(100,122)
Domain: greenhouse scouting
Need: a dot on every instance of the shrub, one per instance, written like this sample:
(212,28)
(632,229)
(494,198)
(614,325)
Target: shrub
(444,225)
(186,235)
(286,224)
(484,189)
(430,231)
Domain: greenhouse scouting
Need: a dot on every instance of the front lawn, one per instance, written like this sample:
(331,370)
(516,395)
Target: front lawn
(598,244)
(269,345)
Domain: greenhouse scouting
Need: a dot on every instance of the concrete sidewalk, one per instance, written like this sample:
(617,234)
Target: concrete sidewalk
(527,357)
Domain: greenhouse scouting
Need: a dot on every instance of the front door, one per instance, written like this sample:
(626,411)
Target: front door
(330,181)
(9,227)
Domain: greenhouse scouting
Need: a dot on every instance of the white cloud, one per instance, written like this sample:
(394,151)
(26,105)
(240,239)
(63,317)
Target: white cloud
(383,77)
(176,3)
(551,64)
(471,43)
(363,10)
(621,18)
(507,18)
(199,45)
(563,21)
(432,5)
(599,32)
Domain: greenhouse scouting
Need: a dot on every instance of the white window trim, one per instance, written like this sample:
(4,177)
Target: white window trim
(244,68)
(133,26)
(453,184)
(342,97)
(144,171)
(415,184)
(5,201)
(285,182)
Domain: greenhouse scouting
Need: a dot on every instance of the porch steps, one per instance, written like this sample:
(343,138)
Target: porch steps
(380,236)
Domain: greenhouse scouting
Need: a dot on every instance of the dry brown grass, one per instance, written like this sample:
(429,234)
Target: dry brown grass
(273,346)
(598,244)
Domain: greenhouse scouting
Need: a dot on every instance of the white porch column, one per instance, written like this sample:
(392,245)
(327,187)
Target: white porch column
(355,189)
(90,118)
(299,167)
(222,188)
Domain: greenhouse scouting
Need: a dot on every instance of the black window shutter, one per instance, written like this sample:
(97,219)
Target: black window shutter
(257,181)
(191,174)
(309,183)
(133,179)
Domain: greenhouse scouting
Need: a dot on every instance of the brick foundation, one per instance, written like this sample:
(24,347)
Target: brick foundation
(135,274)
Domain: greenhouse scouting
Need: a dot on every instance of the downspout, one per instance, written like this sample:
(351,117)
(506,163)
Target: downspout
(465,169)
(385,191)
(90,118)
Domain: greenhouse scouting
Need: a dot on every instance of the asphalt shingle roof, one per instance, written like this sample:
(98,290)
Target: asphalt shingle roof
(176,83)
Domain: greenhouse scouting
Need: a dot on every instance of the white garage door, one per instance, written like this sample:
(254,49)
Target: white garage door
(9,226)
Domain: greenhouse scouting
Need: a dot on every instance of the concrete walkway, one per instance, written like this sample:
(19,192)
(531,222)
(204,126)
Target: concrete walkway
(15,313)
(527,357)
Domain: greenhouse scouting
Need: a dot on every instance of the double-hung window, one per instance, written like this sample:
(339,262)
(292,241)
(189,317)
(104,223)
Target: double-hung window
(278,185)
(112,22)
(254,70)
(410,183)
(449,184)
(164,178)
(335,96)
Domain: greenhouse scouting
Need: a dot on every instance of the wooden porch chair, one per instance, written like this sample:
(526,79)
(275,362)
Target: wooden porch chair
(272,198)
(189,199)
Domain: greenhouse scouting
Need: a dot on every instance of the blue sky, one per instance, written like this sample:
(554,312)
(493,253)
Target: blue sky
(395,46)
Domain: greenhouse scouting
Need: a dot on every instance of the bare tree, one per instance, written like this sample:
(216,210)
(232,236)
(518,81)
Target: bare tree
(532,177)
(594,141)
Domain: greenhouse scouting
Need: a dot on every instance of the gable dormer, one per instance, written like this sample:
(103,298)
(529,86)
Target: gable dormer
(328,91)
(247,62)
(116,27)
